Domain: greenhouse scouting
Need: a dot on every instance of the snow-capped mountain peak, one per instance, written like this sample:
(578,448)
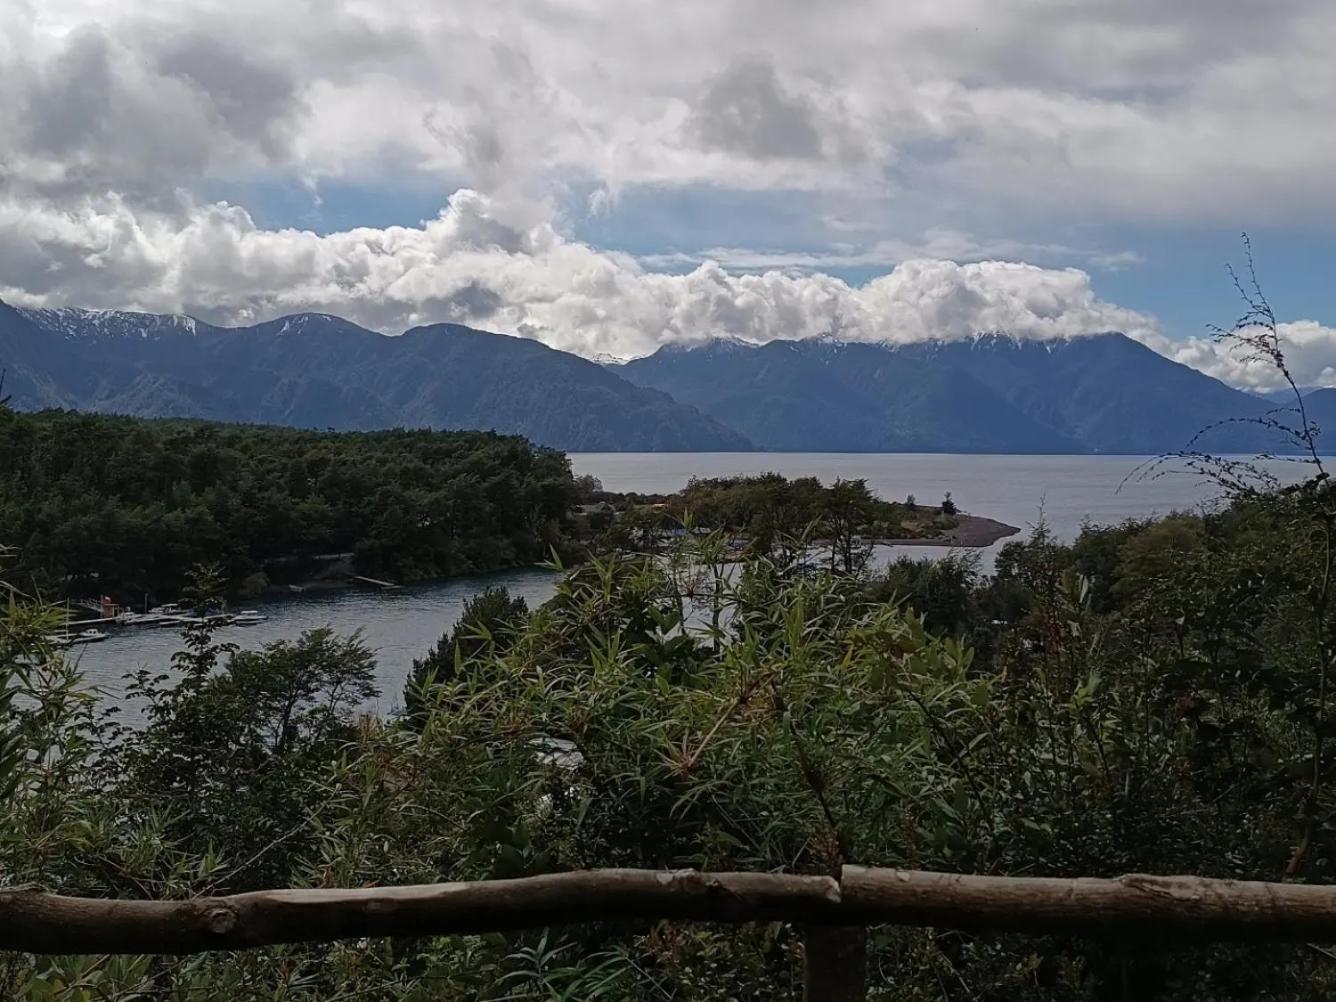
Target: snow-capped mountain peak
(74,324)
(298,322)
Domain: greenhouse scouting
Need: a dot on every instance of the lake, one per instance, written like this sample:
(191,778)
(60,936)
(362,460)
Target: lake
(1065,490)
(400,626)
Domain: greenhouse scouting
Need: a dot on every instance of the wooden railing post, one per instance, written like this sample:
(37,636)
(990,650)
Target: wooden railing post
(835,963)
(1134,907)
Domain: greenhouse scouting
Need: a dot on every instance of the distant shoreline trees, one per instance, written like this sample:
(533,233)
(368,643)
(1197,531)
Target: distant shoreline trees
(97,504)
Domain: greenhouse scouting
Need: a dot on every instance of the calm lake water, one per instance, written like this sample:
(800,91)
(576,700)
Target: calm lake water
(1065,490)
(400,626)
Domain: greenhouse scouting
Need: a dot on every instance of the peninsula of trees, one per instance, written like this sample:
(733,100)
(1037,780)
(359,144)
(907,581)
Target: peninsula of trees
(764,514)
(95,504)
(107,505)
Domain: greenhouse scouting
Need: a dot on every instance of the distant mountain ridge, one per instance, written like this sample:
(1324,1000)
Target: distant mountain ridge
(321,371)
(72,322)
(801,396)
(1098,393)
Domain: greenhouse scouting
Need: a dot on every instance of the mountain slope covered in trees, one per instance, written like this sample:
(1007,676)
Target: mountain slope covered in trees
(825,396)
(318,371)
(1099,393)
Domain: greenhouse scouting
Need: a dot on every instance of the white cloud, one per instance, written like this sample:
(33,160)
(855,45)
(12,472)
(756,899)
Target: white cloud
(936,242)
(470,264)
(1310,353)
(925,299)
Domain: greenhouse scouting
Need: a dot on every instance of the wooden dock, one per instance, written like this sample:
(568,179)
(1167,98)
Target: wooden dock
(387,585)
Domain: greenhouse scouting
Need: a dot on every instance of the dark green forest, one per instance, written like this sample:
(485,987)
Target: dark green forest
(96,504)
(767,506)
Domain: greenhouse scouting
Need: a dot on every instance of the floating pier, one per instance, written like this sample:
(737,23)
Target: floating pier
(375,582)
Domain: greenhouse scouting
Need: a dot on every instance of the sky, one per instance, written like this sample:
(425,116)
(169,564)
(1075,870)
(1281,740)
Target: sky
(609,177)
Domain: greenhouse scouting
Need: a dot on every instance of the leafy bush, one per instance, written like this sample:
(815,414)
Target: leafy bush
(1108,711)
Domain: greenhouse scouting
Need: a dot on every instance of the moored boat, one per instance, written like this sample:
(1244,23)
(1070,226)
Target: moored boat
(142,619)
(70,639)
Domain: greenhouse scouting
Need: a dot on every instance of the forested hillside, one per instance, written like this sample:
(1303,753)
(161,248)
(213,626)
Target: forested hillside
(312,370)
(1100,393)
(126,506)
(992,393)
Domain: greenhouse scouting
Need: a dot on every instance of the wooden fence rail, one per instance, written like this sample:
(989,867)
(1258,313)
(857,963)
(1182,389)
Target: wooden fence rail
(832,912)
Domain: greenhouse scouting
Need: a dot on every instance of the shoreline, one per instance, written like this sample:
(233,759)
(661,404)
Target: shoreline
(973,532)
(319,585)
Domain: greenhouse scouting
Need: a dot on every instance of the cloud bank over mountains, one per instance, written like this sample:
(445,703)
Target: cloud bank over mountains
(469,266)
(939,137)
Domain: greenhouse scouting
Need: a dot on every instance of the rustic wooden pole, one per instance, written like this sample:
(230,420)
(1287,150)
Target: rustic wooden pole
(1133,907)
(1165,909)
(835,963)
(37,922)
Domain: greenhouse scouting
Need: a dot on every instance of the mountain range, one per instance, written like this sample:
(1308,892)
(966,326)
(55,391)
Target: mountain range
(1100,393)
(320,371)
(993,393)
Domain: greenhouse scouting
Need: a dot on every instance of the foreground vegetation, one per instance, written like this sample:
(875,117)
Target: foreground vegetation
(97,504)
(1150,698)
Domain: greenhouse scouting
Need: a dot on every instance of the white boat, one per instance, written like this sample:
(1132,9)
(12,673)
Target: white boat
(248,617)
(70,639)
(172,614)
(141,619)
